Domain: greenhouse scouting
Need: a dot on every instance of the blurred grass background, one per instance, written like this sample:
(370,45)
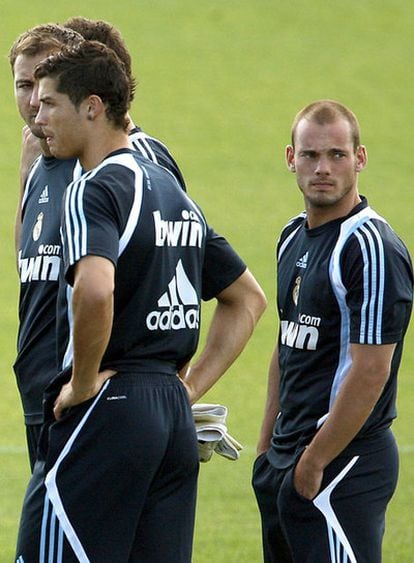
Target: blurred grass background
(219,83)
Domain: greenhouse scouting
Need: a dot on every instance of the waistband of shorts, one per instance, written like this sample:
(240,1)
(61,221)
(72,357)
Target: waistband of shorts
(145,379)
(144,366)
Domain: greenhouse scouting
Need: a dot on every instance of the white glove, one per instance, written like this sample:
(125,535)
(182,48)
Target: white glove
(212,435)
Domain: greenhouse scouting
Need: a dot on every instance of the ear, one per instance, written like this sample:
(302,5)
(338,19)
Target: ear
(361,158)
(94,107)
(290,158)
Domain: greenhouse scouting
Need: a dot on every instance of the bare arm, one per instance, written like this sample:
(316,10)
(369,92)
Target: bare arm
(356,399)
(92,308)
(272,404)
(30,150)
(238,309)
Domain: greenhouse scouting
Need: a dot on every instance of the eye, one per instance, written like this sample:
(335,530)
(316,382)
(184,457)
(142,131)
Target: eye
(24,86)
(46,102)
(308,154)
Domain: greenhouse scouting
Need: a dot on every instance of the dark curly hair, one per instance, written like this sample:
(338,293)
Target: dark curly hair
(106,33)
(87,69)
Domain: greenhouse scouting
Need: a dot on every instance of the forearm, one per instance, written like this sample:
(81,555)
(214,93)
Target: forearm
(238,309)
(92,309)
(351,410)
(356,399)
(91,332)
(272,404)
(30,150)
(225,341)
(17,233)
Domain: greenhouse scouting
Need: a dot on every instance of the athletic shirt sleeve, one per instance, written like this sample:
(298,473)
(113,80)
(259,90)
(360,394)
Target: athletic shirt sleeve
(379,282)
(222,265)
(93,221)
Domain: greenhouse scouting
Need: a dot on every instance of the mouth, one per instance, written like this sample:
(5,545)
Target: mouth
(48,137)
(323,184)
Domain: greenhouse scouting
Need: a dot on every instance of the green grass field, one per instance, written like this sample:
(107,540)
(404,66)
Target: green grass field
(220,82)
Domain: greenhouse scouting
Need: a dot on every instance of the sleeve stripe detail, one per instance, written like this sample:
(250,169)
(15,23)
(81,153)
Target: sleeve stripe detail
(75,221)
(135,209)
(374,280)
(140,143)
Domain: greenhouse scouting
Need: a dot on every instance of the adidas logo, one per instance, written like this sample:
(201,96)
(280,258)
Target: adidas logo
(44,196)
(180,304)
(303,262)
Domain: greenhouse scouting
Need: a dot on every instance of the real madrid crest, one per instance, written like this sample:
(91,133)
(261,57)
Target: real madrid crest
(37,229)
(295,292)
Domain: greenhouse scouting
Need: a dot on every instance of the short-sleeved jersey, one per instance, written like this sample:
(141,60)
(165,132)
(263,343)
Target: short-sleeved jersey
(39,259)
(39,264)
(133,213)
(346,282)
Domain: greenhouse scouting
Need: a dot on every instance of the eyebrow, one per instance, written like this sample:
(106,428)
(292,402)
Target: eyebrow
(24,81)
(331,149)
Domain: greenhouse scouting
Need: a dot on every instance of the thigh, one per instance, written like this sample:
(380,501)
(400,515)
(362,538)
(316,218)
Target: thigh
(105,457)
(266,484)
(345,521)
(166,526)
(361,501)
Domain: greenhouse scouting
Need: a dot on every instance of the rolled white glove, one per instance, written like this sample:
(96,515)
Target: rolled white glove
(212,435)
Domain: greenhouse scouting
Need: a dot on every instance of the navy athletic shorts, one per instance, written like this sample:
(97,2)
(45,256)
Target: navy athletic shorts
(116,477)
(344,522)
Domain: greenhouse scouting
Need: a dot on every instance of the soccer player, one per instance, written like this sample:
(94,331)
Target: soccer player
(121,459)
(345,286)
(37,232)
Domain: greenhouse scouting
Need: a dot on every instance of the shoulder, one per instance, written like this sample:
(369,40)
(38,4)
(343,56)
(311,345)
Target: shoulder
(148,146)
(289,231)
(45,172)
(372,234)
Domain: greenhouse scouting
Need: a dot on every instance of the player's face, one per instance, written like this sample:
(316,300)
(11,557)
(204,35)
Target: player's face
(326,164)
(24,84)
(60,120)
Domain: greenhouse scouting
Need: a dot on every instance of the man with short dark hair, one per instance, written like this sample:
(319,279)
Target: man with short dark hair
(121,439)
(109,35)
(324,478)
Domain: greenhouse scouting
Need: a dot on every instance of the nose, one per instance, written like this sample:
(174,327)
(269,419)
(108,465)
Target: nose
(34,98)
(322,165)
(40,117)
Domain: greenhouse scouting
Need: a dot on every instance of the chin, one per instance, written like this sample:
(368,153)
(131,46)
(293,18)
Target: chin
(37,133)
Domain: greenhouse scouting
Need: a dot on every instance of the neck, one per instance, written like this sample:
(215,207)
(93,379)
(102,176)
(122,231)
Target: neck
(44,148)
(99,147)
(319,215)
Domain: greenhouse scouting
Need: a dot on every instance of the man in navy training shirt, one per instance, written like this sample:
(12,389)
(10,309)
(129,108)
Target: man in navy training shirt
(328,466)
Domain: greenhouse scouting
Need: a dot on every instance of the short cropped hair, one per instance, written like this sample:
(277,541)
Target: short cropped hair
(45,38)
(87,69)
(106,33)
(328,111)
